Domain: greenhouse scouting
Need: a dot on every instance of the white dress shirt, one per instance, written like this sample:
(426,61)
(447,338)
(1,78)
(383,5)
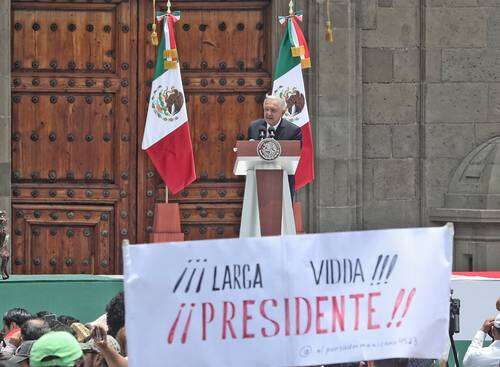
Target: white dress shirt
(275,127)
(477,356)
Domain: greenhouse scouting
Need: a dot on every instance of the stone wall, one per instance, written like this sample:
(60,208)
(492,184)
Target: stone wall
(463,86)
(336,121)
(5,106)
(430,94)
(390,40)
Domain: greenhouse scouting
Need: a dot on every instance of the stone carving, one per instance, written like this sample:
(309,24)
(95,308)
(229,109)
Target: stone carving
(4,250)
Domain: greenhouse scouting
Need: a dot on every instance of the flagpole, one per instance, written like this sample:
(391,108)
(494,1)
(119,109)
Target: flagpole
(169,11)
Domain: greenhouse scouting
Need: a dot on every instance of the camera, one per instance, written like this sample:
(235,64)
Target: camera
(454,315)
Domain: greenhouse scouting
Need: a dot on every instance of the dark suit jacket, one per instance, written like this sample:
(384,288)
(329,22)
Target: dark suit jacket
(285,131)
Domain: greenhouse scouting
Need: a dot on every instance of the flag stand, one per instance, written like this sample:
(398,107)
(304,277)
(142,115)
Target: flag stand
(167,222)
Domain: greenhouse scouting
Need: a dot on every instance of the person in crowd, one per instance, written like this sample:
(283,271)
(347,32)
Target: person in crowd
(57,348)
(121,337)
(22,355)
(93,355)
(12,322)
(479,356)
(56,325)
(81,332)
(498,304)
(108,347)
(67,320)
(33,329)
(115,314)
(42,314)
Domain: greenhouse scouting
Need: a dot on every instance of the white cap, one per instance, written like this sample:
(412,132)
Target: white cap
(496,323)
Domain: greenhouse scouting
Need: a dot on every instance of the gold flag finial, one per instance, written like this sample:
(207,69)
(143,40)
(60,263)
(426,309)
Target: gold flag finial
(329,28)
(290,5)
(154,35)
(169,5)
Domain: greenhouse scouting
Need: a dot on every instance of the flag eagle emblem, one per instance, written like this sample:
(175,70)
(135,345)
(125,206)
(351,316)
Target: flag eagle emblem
(295,101)
(167,102)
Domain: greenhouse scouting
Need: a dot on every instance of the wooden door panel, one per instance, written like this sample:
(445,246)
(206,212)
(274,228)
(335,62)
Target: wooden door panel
(54,239)
(72,39)
(207,213)
(222,38)
(74,133)
(223,50)
(63,138)
(208,232)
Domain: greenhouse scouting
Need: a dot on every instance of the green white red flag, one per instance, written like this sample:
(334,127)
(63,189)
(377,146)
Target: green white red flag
(166,139)
(289,84)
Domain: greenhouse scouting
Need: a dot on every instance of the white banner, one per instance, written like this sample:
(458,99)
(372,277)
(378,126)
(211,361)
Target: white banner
(290,300)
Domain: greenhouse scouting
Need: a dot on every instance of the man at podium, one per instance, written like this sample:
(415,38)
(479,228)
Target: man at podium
(273,125)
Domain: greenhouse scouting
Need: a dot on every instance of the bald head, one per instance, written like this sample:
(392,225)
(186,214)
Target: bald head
(33,329)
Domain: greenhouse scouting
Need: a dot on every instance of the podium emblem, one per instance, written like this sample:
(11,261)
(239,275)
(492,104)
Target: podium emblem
(269,149)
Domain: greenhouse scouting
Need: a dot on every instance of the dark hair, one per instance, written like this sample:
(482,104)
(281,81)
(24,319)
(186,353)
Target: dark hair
(115,314)
(17,315)
(42,314)
(56,325)
(33,329)
(67,320)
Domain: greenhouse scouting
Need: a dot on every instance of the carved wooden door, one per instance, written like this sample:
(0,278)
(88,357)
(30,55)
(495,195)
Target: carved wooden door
(73,134)
(223,51)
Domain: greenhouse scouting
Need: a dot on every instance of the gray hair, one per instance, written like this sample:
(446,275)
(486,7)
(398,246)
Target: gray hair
(281,101)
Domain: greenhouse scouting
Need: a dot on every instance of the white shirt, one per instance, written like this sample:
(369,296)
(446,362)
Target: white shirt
(477,356)
(275,127)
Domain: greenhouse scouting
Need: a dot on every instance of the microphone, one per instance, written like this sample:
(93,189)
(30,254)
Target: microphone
(271,132)
(262,133)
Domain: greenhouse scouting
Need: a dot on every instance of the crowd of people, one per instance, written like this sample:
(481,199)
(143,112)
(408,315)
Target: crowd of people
(46,339)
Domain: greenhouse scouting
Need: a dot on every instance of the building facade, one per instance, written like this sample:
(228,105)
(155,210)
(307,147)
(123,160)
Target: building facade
(404,106)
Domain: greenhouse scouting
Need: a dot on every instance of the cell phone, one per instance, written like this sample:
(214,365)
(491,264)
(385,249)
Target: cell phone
(99,335)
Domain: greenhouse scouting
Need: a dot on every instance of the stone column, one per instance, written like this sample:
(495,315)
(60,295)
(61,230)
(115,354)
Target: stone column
(337,121)
(333,86)
(5,107)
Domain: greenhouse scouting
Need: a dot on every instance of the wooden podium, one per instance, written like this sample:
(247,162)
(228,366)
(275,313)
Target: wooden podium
(267,203)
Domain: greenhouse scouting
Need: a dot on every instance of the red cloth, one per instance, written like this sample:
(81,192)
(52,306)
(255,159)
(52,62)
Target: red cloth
(173,158)
(485,274)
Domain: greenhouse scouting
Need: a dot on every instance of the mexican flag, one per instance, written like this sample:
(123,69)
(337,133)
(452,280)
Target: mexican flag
(166,136)
(289,84)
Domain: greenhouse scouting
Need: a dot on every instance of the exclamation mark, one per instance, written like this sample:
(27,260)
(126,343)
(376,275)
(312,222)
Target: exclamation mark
(171,333)
(186,327)
(391,267)
(408,302)
(386,259)
(399,299)
(376,268)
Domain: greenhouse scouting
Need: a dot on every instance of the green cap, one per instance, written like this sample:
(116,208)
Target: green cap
(57,348)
